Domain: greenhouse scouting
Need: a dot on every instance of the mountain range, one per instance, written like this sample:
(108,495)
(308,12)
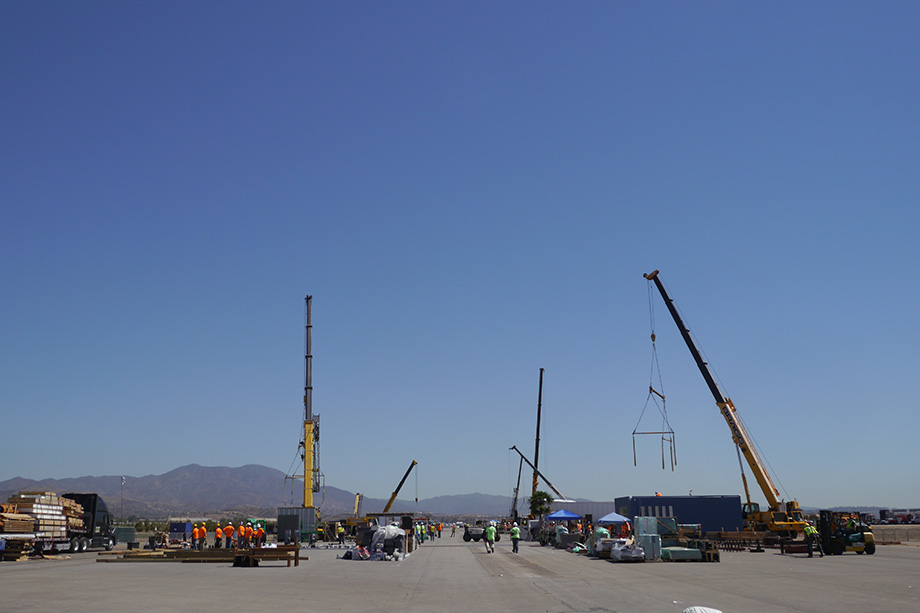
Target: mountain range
(196,490)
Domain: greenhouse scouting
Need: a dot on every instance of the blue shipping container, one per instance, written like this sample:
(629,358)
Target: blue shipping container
(714,513)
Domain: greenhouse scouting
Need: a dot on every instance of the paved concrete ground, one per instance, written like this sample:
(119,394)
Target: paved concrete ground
(450,575)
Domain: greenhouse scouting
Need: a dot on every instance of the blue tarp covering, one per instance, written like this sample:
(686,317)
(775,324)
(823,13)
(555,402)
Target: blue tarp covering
(563,514)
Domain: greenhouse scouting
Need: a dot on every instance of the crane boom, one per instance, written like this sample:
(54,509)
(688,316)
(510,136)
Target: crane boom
(392,499)
(726,407)
(777,519)
(538,473)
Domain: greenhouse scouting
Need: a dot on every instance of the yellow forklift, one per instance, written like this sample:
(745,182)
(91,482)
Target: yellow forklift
(840,532)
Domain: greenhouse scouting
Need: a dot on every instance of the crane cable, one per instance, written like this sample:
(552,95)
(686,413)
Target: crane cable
(666,432)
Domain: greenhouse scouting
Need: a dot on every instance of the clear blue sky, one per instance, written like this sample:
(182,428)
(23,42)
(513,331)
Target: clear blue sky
(470,191)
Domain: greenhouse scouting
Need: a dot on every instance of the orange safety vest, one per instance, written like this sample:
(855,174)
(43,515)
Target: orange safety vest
(228,531)
(218,533)
(195,533)
(260,532)
(249,532)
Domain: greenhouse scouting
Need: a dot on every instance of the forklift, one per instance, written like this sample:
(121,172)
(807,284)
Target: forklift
(840,532)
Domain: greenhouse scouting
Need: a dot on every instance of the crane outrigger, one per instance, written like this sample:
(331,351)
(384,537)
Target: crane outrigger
(782,517)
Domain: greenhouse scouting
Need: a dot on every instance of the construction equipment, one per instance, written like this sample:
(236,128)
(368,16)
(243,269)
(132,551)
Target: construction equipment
(72,522)
(539,474)
(392,499)
(536,449)
(783,518)
(841,532)
(310,443)
(514,501)
(307,518)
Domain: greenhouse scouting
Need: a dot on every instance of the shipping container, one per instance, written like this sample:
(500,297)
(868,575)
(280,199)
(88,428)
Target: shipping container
(714,513)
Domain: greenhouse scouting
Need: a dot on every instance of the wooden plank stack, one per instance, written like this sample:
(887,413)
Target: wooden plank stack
(16,523)
(52,514)
(15,550)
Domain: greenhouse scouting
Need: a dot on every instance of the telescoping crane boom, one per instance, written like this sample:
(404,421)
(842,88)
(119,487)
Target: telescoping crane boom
(539,474)
(392,499)
(784,518)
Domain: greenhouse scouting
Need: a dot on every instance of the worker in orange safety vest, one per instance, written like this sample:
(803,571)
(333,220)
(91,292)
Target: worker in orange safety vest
(228,533)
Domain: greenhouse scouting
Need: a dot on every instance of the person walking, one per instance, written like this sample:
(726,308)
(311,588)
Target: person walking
(453,530)
(515,537)
(812,537)
(490,538)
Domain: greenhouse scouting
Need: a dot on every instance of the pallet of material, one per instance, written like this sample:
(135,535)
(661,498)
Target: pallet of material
(16,522)
(15,550)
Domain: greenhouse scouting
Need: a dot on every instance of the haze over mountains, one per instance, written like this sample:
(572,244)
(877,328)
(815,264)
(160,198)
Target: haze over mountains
(250,490)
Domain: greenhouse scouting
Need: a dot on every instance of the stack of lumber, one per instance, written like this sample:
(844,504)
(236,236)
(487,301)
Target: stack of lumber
(74,512)
(47,509)
(16,523)
(15,549)
(237,557)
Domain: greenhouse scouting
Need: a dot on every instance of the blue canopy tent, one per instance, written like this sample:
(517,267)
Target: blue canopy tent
(612,518)
(563,515)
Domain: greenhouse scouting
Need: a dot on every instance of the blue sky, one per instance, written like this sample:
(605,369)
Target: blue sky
(470,191)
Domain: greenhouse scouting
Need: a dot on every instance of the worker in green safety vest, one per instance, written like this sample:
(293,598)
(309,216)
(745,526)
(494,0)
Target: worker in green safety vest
(812,537)
(515,537)
(490,538)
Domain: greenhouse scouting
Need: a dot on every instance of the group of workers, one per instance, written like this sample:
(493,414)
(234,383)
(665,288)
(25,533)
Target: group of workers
(426,531)
(242,537)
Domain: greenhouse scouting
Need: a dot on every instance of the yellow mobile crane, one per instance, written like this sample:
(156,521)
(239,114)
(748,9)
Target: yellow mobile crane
(783,518)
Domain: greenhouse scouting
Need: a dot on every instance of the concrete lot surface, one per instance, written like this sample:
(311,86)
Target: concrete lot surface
(450,575)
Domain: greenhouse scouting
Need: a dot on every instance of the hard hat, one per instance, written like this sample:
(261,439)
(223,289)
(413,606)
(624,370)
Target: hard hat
(514,524)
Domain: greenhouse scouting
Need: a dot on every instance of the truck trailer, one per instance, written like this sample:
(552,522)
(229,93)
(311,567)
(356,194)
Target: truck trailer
(72,522)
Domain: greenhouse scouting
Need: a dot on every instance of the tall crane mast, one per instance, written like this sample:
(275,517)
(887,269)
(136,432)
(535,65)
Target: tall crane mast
(536,450)
(310,444)
(517,489)
(777,520)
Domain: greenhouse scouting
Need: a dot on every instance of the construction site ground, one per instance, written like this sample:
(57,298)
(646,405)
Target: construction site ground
(450,575)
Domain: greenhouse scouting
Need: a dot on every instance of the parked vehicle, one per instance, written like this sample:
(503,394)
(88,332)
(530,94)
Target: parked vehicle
(88,524)
(840,532)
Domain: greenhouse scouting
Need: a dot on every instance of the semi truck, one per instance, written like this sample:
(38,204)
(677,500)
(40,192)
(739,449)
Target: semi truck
(56,531)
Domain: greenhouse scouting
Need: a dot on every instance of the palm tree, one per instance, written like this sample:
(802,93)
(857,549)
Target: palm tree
(540,504)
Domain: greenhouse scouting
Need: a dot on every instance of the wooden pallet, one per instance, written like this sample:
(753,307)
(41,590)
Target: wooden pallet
(16,550)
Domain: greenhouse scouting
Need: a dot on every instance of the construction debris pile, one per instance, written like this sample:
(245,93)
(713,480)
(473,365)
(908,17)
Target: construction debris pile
(387,544)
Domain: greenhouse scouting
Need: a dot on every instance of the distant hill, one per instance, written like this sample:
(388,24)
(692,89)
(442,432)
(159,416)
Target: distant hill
(251,489)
